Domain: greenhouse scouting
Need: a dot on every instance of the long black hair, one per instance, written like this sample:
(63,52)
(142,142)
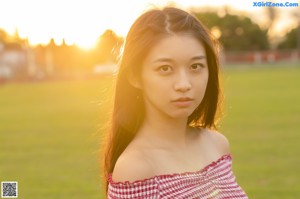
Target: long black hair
(128,110)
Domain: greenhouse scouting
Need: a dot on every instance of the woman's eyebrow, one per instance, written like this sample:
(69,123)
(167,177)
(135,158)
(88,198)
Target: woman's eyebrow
(198,57)
(171,60)
(163,60)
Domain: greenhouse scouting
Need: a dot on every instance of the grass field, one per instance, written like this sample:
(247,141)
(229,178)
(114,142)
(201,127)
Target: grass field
(50,133)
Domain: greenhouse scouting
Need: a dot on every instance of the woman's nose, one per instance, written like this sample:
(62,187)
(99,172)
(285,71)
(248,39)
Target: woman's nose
(182,82)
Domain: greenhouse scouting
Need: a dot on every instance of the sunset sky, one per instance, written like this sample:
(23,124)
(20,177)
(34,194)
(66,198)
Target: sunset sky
(82,21)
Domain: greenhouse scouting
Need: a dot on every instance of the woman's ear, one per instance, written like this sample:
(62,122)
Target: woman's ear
(133,80)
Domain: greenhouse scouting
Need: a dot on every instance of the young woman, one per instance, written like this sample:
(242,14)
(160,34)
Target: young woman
(162,142)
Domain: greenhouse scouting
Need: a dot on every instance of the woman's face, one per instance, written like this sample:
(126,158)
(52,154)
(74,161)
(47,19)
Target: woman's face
(174,77)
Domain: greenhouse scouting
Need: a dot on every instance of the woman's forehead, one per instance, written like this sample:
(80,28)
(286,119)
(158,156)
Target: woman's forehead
(174,47)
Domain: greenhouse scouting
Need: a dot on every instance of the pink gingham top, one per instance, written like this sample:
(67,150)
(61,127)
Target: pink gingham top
(215,181)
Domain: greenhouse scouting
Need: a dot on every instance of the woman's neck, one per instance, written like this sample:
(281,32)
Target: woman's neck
(164,131)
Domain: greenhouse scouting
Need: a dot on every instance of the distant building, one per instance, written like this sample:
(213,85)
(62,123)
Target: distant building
(105,69)
(13,60)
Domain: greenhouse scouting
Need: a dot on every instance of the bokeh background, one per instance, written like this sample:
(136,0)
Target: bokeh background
(57,67)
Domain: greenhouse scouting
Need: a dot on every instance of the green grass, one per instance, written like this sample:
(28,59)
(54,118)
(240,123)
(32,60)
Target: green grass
(49,133)
(262,122)
(49,138)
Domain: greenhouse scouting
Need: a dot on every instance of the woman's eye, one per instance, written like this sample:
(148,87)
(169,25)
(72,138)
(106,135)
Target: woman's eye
(196,66)
(165,68)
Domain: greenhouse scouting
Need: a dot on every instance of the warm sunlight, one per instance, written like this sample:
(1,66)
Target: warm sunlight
(85,44)
(80,22)
(83,21)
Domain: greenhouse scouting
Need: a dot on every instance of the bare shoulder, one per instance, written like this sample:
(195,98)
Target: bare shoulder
(132,165)
(219,140)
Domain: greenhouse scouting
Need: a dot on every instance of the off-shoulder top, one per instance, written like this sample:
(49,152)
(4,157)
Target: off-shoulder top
(215,181)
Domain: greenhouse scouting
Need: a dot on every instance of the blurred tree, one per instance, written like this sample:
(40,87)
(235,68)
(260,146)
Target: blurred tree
(16,37)
(290,41)
(108,48)
(60,57)
(6,38)
(272,17)
(296,15)
(272,14)
(3,37)
(66,58)
(236,33)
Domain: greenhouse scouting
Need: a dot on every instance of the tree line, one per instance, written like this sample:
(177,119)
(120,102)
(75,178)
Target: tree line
(235,33)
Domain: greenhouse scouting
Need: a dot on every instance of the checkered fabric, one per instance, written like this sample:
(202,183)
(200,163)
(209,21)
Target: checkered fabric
(215,181)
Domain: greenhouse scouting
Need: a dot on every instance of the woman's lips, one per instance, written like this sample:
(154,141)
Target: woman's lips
(182,102)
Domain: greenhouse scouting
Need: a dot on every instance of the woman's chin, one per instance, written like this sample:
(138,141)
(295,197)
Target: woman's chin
(183,114)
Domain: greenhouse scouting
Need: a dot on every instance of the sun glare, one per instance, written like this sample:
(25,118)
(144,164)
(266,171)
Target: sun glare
(82,22)
(86,44)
